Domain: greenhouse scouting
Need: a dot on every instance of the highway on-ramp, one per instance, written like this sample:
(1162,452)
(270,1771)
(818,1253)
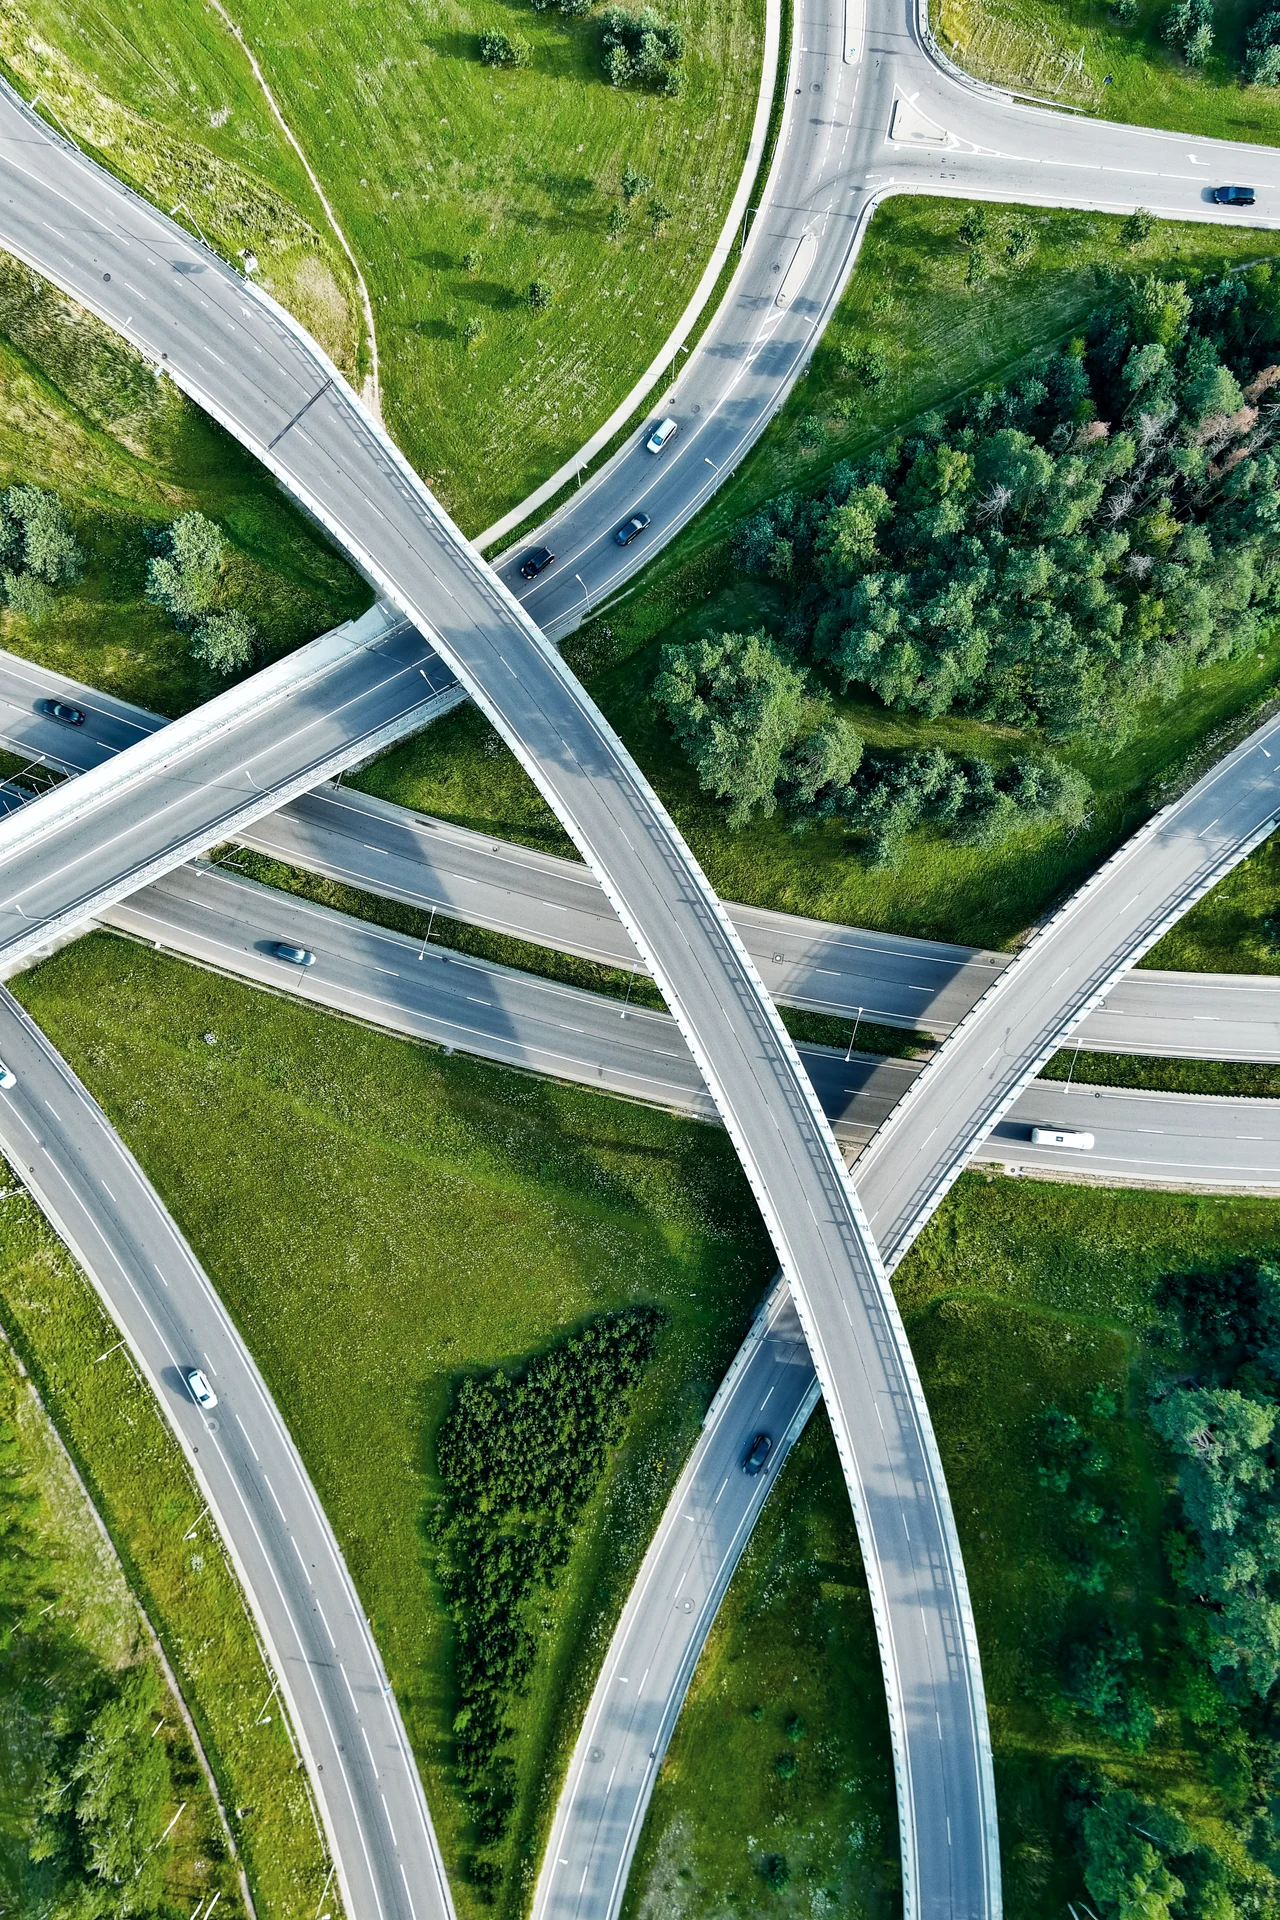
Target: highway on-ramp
(255,372)
(104,1208)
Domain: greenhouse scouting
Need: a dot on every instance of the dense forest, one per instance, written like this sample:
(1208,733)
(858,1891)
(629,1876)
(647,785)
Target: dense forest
(519,1458)
(1215,1402)
(1048,555)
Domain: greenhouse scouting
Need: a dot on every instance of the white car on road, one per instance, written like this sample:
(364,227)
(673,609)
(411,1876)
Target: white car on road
(199,1389)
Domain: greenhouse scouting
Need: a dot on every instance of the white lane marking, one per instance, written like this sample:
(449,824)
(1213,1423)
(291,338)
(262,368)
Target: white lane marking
(248,1442)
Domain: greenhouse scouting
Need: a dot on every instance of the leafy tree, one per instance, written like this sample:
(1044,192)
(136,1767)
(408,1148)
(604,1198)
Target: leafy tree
(471,260)
(797,1727)
(786,1766)
(540,295)
(641,50)
(616,225)
(775,1872)
(36,536)
(1127,1844)
(1188,27)
(472,331)
(225,642)
(975,226)
(736,706)
(865,362)
(634,183)
(1262,60)
(1020,241)
(1098,1683)
(185,576)
(659,215)
(104,1802)
(28,596)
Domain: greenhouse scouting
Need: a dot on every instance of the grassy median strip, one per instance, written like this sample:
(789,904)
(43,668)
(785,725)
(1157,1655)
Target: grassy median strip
(139,1482)
(383,1222)
(1019,1298)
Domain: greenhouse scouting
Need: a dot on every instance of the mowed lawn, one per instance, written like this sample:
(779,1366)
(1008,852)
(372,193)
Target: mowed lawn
(382,1220)
(1019,1296)
(428,156)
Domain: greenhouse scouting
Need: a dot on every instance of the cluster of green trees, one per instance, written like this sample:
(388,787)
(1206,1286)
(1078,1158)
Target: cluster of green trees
(187,577)
(1216,1404)
(641,50)
(38,549)
(519,1457)
(761,737)
(1056,551)
(1187,27)
(498,49)
(104,1799)
(1224,1429)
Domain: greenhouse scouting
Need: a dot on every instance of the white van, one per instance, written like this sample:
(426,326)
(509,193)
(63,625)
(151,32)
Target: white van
(1061,1137)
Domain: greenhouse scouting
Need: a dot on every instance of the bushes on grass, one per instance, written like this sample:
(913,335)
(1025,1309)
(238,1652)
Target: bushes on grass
(187,577)
(519,1457)
(641,50)
(499,49)
(1056,551)
(1188,28)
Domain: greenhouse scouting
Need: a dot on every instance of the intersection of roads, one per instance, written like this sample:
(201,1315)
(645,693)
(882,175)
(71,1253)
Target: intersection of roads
(869,111)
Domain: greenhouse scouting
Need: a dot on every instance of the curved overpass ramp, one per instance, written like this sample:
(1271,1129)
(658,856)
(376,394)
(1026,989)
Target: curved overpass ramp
(255,372)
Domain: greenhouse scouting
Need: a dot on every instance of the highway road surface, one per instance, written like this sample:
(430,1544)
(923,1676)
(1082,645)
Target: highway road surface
(217,917)
(256,373)
(844,971)
(103,1207)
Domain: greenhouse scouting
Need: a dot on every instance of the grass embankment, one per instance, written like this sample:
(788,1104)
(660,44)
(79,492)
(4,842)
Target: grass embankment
(382,1221)
(167,99)
(1227,933)
(1019,1296)
(908,291)
(82,414)
(427,157)
(86,1633)
(1070,49)
(139,1482)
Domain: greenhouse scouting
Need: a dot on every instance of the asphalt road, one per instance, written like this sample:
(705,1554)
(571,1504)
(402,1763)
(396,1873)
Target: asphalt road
(219,918)
(845,971)
(255,372)
(265,1509)
(870,113)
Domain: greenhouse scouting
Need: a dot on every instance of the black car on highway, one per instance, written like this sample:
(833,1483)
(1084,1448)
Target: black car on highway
(1234,196)
(630,528)
(758,1452)
(62,710)
(533,563)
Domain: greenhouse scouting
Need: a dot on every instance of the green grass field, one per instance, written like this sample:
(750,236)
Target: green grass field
(1067,49)
(81,412)
(1019,1295)
(92,1626)
(1225,933)
(381,1220)
(944,339)
(428,157)
(140,1485)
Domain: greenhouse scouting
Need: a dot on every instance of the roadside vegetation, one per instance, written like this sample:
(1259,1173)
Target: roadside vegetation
(1234,929)
(532,190)
(104,1807)
(1192,65)
(76,1651)
(978,818)
(141,551)
(420,1222)
(1081,1352)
